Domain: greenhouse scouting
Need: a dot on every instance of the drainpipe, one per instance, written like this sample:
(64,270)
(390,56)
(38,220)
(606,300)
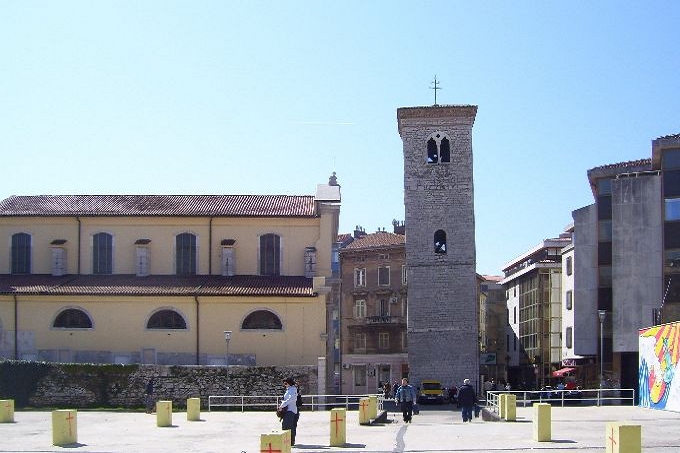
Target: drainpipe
(210,246)
(198,330)
(16,328)
(78,248)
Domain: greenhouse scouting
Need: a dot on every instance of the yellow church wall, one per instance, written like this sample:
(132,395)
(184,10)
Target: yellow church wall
(296,234)
(119,326)
(43,231)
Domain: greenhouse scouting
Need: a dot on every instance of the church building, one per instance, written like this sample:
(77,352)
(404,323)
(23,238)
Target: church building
(161,279)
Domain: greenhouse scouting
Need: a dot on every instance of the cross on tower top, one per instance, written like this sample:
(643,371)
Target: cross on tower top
(435,87)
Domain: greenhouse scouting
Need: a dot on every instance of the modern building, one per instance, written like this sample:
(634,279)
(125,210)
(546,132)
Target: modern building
(373,313)
(533,285)
(626,255)
(443,341)
(159,279)
(493,319)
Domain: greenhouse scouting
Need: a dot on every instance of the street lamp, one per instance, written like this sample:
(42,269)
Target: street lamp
(227,337)
(602,315)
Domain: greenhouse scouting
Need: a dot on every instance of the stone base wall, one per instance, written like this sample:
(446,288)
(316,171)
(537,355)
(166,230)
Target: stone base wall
(59,385)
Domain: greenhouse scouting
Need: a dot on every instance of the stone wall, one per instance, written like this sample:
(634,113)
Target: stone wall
(59,385)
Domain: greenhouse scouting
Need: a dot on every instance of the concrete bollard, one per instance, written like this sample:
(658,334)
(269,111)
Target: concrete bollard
(274,442)
(6,411)
(64,427)
(193,409)
(622,437)
(542,422)
(372,407)
(502,405)
(510,407)
(364,411)
(163,413)
(338,427)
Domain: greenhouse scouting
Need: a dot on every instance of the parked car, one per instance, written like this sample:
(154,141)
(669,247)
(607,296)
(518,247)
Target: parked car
(431,391)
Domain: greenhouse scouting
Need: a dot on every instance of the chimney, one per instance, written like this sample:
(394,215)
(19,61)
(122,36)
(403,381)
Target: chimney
(359,232)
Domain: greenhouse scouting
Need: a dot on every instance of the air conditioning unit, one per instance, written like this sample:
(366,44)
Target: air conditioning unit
(346,366)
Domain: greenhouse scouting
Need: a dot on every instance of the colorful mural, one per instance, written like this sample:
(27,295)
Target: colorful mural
(659,352)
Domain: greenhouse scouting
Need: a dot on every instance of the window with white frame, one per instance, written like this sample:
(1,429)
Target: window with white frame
(384,276)
(360,308)
(360,342)
(383,307)
(21,253)
(404,341)
(383,340)
(404,279)
(359,372)
(360,277)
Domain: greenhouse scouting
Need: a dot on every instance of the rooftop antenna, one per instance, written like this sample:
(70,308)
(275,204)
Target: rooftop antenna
(435,87)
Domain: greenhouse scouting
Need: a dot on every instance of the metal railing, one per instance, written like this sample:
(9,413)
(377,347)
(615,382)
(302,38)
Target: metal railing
(580,397)
(244,403)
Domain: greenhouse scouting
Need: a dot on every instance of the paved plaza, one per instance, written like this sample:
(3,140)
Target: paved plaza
(435,429)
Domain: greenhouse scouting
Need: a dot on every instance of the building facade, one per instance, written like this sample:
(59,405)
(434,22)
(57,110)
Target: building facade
(373,313)
(159,279)
(493,319)
(440,252)
(626,251)
(534,300)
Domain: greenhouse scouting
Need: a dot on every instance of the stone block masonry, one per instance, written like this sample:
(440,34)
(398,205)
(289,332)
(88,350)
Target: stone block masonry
(439,203)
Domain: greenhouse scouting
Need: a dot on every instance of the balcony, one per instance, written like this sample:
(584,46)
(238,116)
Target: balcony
(376,320)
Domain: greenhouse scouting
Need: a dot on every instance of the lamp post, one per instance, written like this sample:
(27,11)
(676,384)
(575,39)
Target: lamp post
(227,337)
(602,315)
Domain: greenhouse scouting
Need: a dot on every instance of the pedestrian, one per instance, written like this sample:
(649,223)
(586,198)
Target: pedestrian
(386,390)
(406,397)
(298,403)
(289,408)
(467,398)
(148,396)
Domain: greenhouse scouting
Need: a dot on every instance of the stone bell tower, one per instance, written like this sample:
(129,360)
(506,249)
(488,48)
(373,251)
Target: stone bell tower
(440,243)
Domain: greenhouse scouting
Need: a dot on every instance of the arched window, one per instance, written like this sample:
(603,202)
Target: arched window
(432,154)
(440,242)
(438,149)
(270,254)
(262,319)
(21,253)
(166,319)
(102,253)
(445,150)
(72,318)
(185,255)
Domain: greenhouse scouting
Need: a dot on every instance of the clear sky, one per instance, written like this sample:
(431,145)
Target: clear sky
(241,97)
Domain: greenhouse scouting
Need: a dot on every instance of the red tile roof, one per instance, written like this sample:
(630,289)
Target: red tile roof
(158,285)
(160,205)
(377,240)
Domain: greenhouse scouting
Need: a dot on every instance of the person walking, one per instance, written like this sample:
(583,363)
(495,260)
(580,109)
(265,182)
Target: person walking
(467,398)
(406,397)
(148,396)
(289,408)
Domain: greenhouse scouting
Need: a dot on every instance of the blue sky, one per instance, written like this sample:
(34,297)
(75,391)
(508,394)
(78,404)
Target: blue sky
(226,97)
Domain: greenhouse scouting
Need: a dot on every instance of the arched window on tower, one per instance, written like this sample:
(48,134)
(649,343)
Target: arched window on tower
(440,242)
(438,149)
(432,154)
(445,150)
